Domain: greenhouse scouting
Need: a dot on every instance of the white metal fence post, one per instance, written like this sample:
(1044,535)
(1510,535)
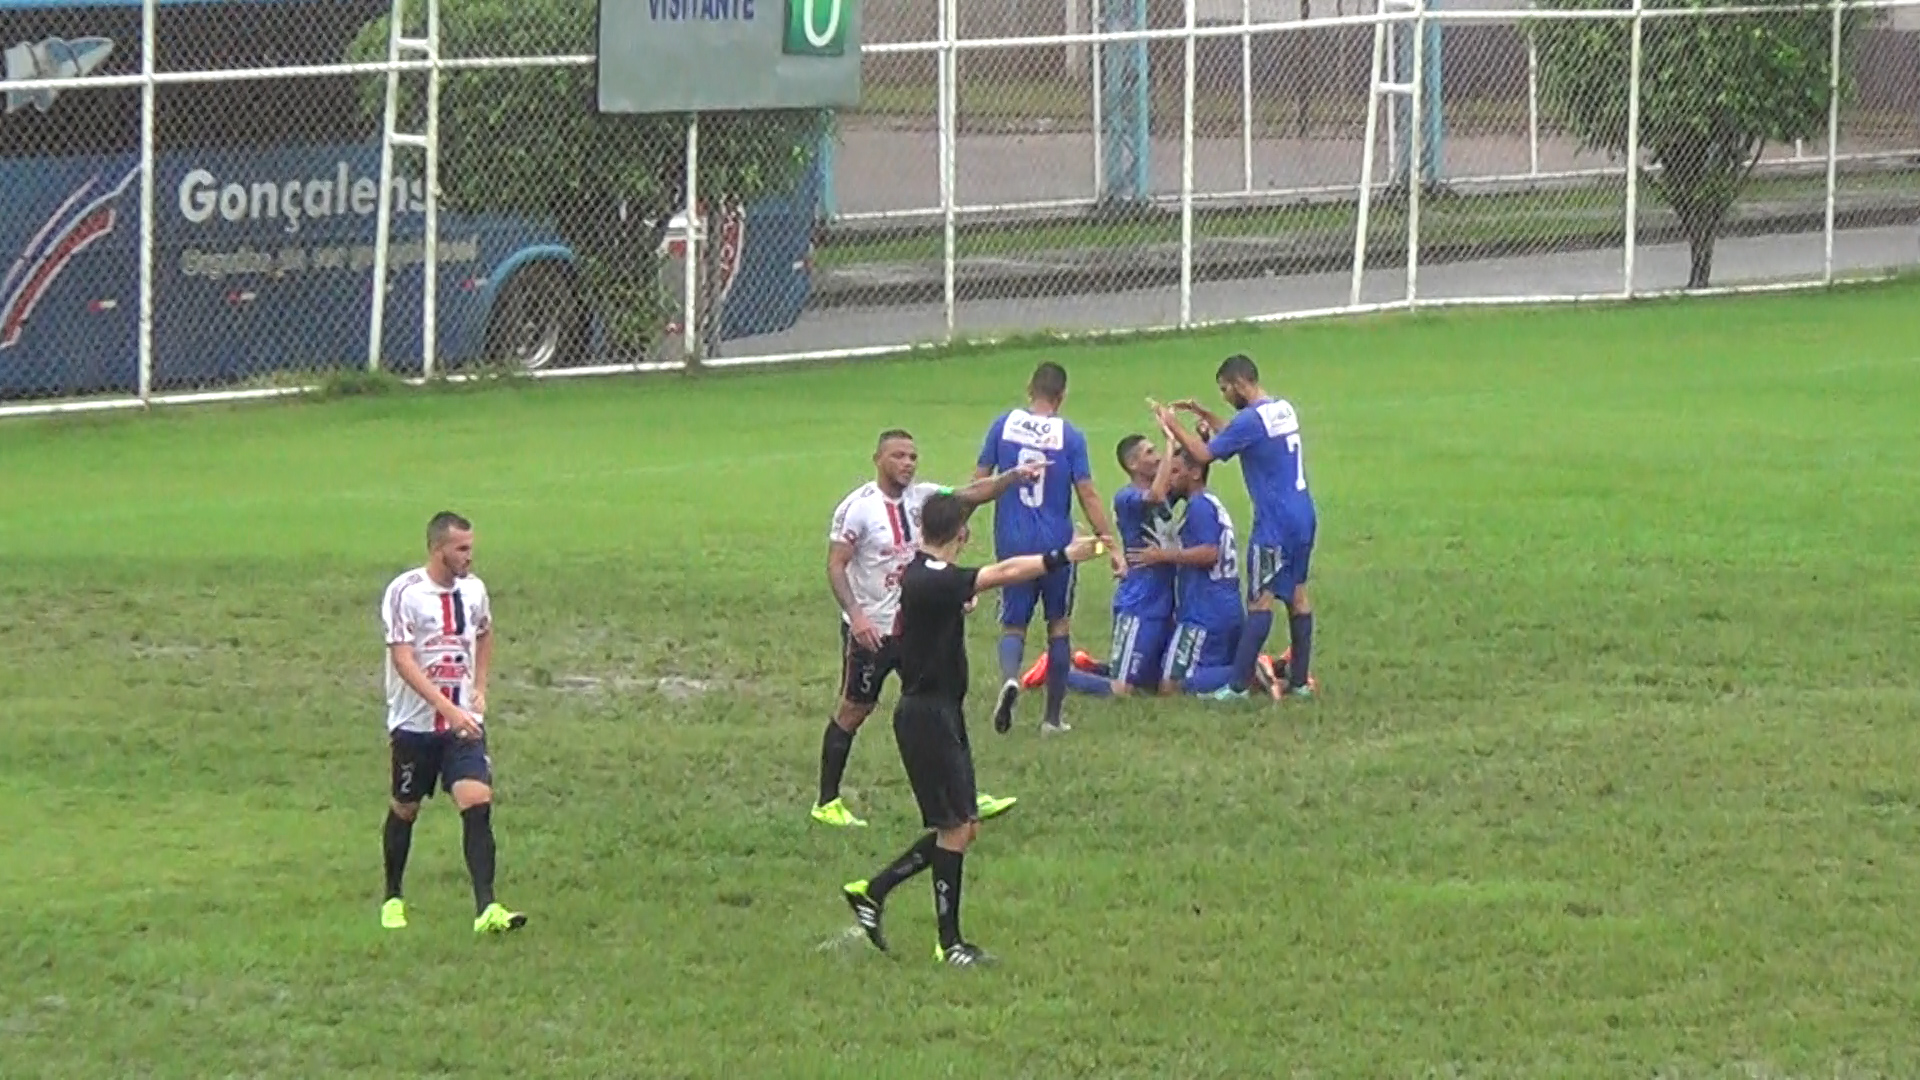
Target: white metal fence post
(149,35)
(1633,145)
(690,280)
(1186,175)
(1833,138)
(949,119)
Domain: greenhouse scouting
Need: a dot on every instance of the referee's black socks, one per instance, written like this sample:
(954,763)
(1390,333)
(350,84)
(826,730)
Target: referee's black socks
(946,894)
(910,862)
(835,746)
(477,826)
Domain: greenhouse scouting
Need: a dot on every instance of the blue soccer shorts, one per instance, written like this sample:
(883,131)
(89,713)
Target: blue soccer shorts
(1278,569)
(1194,647)
(1052,592)
(1139,649)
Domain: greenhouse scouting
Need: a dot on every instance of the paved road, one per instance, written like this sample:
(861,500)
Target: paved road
(881,169)
(1659,267)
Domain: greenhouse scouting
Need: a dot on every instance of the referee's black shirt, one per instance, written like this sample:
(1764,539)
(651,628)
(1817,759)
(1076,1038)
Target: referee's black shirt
(933,629)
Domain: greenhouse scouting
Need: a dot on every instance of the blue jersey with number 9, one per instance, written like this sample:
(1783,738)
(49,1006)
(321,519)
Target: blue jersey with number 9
(1033,518)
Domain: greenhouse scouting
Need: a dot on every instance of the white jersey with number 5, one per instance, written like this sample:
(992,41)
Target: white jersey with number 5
(884,534)
(444,626)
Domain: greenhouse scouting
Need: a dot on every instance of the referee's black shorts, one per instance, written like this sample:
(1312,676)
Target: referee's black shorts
(932,736)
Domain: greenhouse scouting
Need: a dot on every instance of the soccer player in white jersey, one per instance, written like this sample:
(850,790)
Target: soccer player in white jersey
(874,535)
(439,626)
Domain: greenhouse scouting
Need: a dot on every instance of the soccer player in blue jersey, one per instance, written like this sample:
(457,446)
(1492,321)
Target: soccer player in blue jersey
(1209,620)
(1264,433)
(1034,518)
(1143,601)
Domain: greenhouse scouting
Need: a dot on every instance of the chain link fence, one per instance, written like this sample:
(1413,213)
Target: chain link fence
(1013,168)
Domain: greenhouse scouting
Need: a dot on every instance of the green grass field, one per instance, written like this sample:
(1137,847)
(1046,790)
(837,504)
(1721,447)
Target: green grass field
(1613,773)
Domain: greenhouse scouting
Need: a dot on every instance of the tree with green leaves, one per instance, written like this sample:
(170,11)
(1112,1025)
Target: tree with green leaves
(1714,91)
(530,141)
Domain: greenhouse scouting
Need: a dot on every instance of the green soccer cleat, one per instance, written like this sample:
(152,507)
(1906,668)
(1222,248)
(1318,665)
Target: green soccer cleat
(836,814)
(989,807)
(1227,693)
(393,914)
(498,920)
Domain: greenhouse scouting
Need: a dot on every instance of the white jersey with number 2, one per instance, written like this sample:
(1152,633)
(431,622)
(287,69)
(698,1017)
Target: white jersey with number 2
(444,626)
(884,533)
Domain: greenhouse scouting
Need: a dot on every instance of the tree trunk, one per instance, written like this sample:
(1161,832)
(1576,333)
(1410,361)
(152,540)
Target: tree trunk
(1700,248)
(1700,221)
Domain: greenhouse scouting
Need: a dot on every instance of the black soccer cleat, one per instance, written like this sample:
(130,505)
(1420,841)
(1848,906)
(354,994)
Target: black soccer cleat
(866,912)
(1003,706)
(962,954)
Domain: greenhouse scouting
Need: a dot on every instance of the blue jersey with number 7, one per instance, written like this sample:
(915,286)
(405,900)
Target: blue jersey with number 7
(1265,436)
(1033,518)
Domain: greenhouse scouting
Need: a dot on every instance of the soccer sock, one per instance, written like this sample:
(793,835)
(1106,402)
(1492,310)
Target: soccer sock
(1253,638)
(910,862)
(1059,666)
(946,894)
(477,826)
(1081,682)
(1011,650)
(1208,679)
(398,841)
(1301,629)
(835,745)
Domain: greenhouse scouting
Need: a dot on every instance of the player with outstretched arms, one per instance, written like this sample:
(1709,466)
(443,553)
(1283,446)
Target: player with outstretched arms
(439,632)
(1038,517)
(873,537)
(929,722)
(1264,433)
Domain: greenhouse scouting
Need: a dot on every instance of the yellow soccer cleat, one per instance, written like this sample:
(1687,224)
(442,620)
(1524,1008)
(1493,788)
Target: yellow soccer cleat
(836,814)
(498,920)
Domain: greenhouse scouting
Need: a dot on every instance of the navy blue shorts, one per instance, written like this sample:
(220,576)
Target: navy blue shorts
(1053,592)
(422,759)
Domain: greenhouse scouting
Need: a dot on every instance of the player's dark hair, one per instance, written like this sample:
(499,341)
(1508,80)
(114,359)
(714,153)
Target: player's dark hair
(1193,463)
(941,519)
(444,522)
(1049,382)
(1125,450)
(892,433)
(1237,368)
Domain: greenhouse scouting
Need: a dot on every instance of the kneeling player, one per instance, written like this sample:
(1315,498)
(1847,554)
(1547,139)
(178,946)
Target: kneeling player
(1143,601)
(1209,618)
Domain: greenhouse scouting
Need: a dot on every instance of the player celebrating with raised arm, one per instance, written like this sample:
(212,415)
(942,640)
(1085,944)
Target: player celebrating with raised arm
(929,723)
(439,625)
(1264,434)
(870,543)
(1034,518)
(1143,601)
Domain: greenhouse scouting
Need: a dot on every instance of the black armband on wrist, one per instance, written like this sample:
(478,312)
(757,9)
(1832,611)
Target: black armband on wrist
(1055,559)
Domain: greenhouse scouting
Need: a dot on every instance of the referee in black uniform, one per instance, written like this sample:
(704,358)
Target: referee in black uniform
(928,723)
